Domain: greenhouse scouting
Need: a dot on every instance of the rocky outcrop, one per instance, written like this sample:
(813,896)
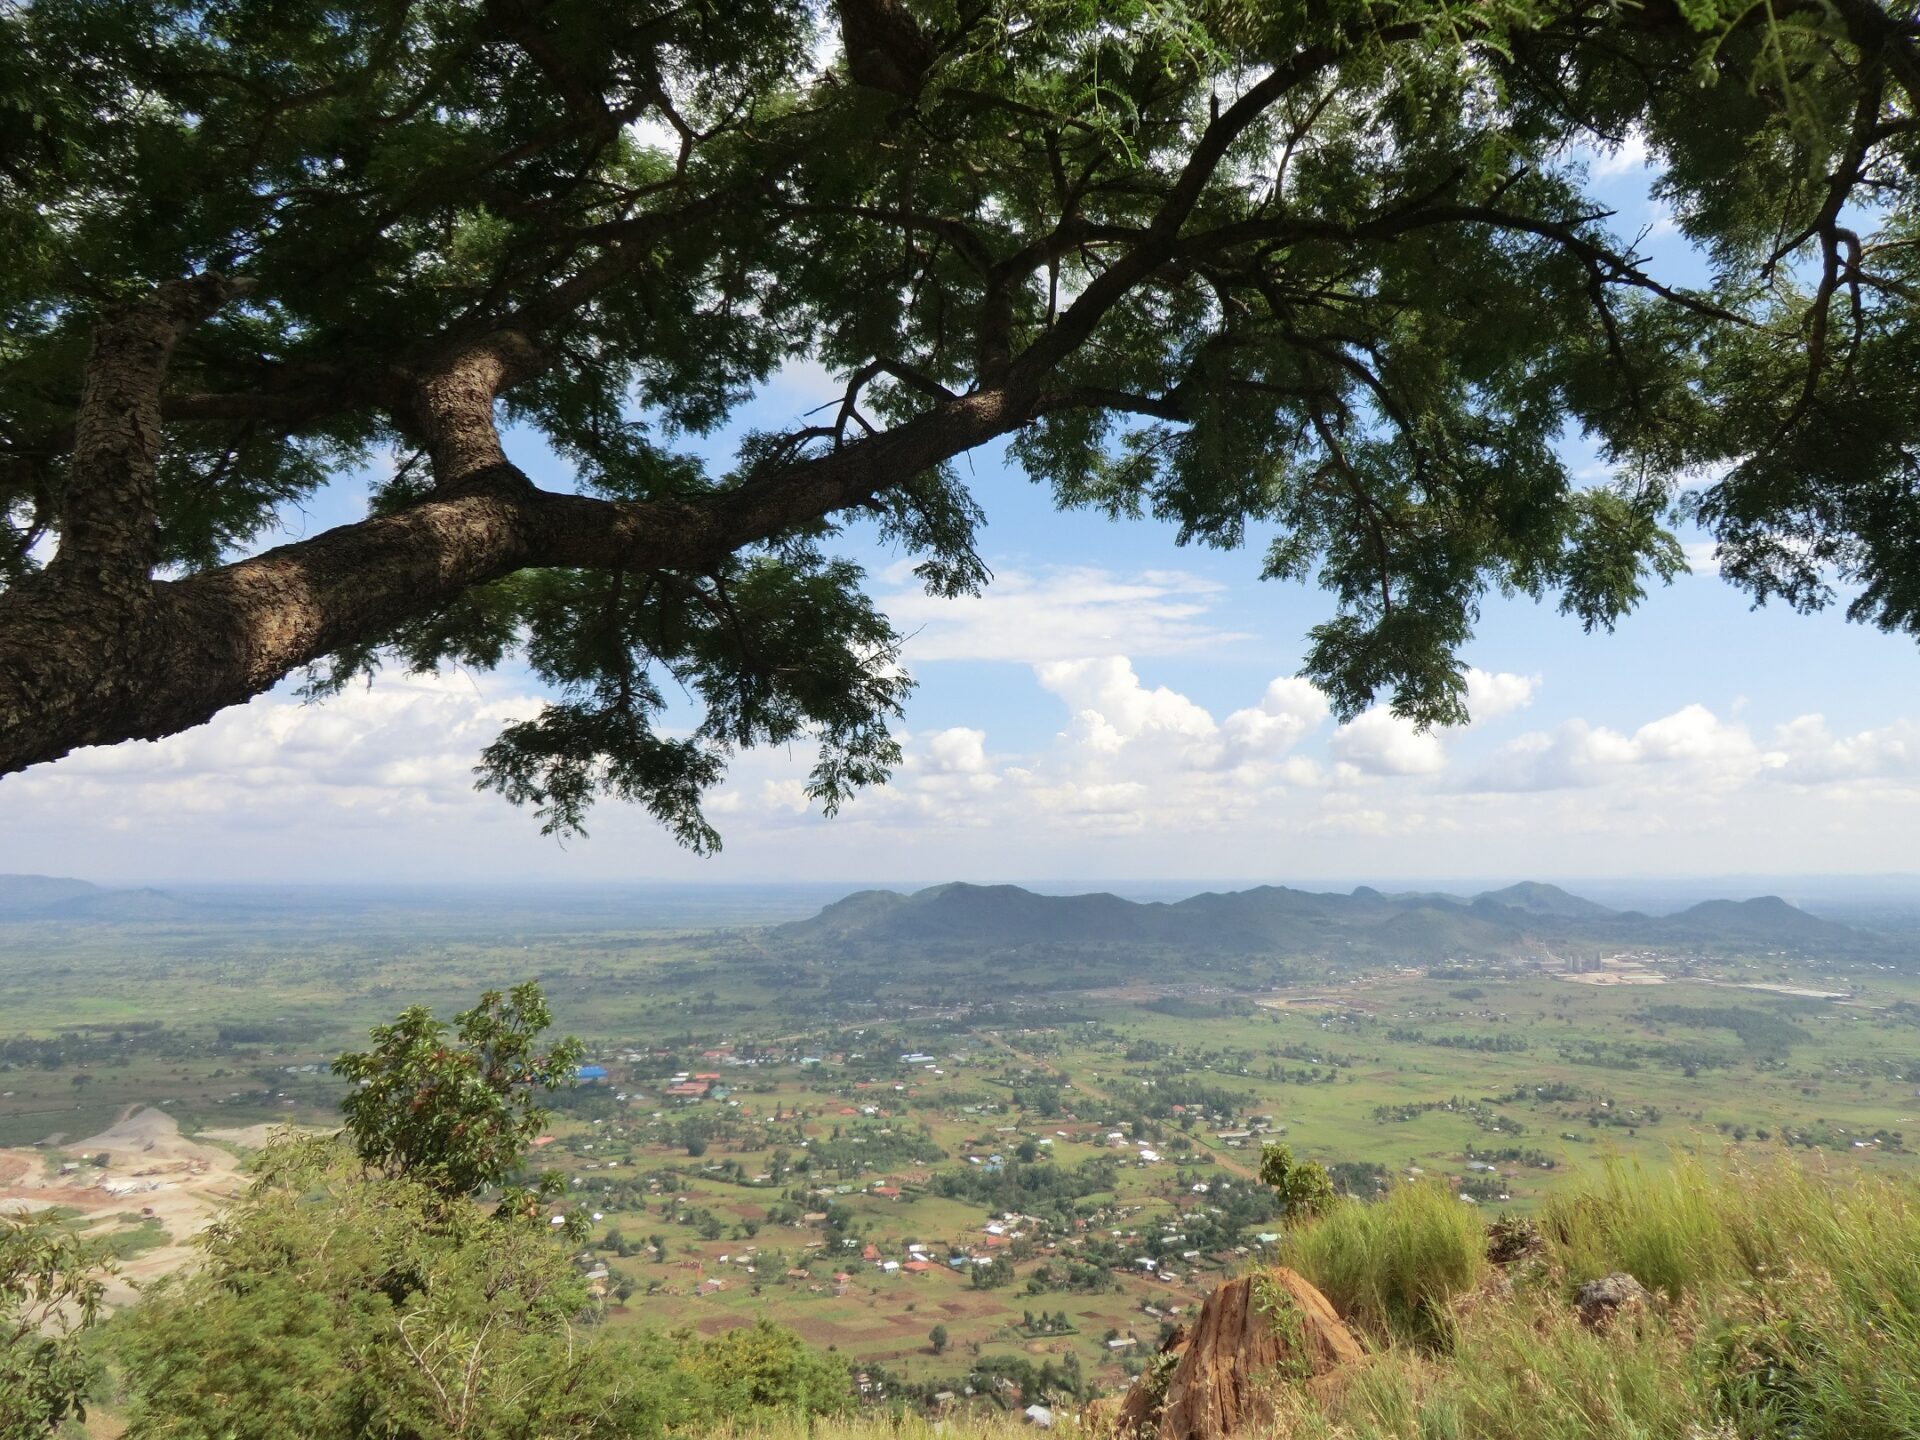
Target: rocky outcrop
(1601,1302)
(1253,1335)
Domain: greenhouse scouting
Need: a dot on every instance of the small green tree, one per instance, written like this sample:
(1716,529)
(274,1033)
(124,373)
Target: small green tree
(338,1303)
(1304,1186)
(762,1367)
(992,1275)
(50,1286)
(455,1107)
(937,1338)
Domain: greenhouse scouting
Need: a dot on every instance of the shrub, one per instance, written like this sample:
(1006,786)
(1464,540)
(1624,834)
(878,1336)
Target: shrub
(455,1107)
(372,1305)
(1304,1186)
(763,1367)
(50,1289)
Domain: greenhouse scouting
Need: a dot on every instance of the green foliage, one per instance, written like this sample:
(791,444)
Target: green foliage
(1043,1188)
(1522,1371)
(1195,261)
(1690,1226)
(1276,1304)
(781,650)
(1764,1033)
(50,1289)
(1391,1266)
(991,1276)
(937,1339)
(368,1304)
(1155,1380)
(455,1107)
(1304,1186)
(759,1368)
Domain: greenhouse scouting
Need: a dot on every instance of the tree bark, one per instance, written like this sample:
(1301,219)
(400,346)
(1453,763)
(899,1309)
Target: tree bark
(75,639)
(109,521)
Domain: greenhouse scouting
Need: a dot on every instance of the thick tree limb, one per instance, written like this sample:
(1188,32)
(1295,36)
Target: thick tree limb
(75,674)
(108,519)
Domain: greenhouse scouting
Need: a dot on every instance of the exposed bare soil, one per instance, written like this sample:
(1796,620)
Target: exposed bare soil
(152,1173)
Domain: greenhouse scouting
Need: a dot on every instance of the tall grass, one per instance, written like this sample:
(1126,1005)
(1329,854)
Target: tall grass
(1522,1371)
(1788,1309)
(1697,1225)
(1392,1267)
(1669,1229)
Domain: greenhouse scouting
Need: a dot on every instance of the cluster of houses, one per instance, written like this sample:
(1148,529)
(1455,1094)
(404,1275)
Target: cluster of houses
(996,1236)
(705,1085)
(1144,1152)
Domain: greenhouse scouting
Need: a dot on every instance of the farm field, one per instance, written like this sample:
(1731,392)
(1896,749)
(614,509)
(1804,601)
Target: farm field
(934,1177)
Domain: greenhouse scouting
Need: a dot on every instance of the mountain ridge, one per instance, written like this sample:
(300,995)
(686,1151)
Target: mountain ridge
(1274,919)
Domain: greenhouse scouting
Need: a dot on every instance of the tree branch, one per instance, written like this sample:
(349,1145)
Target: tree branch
(108,519)
(72,676)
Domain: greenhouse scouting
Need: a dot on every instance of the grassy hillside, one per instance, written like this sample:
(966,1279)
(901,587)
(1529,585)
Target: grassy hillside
(1785,1302)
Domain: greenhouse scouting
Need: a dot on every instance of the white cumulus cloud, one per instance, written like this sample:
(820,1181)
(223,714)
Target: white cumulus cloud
(1109,689)
(1692,748)
(1378,742)
(1493,694)
(1290,709)
(957,751)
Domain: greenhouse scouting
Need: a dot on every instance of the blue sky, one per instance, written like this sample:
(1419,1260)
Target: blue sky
(1115,707)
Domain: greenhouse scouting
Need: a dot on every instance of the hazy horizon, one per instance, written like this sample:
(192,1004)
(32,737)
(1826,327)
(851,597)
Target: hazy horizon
(1893,896)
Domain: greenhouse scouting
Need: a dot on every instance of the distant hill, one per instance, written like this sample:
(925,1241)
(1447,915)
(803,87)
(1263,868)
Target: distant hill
(51,897)
(33,894)
(1538,899)
(1000,913)
(1766,920)
(1366,926)
(129,906)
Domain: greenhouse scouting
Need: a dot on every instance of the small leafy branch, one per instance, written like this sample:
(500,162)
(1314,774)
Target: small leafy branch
(1272,1300)
(1305,1188)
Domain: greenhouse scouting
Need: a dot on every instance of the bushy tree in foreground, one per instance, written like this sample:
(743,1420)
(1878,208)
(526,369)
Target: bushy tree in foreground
(1324,270)
(358,1290)
(456,1107)
(337,1303)
(50,1289)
